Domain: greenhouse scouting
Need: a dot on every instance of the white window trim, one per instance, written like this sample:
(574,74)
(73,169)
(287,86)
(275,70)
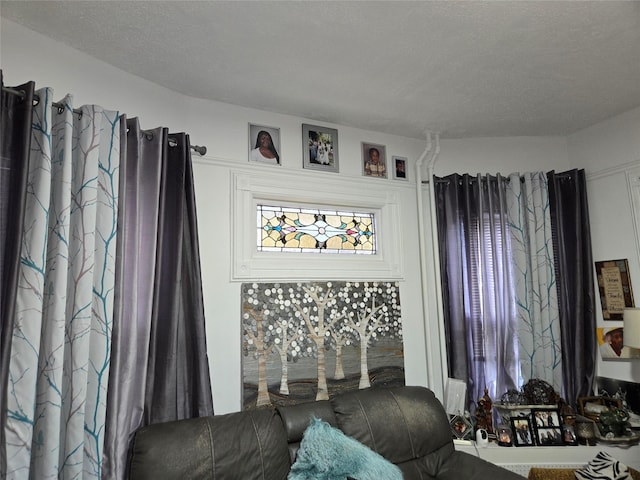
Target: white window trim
(633,185)
(283,188)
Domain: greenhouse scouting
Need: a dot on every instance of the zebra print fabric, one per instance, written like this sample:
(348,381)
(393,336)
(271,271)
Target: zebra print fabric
(604,467)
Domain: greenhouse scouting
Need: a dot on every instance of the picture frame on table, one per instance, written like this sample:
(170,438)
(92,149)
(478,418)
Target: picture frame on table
(461,427)
(547,427)
(264,144)
(374,160)
(320,148)
(569,435)
(522,432)
(399,168)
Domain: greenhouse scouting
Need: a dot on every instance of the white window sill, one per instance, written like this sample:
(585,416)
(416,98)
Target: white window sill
(520,459)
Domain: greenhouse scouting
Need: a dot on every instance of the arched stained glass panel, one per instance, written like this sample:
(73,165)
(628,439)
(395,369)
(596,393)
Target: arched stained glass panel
(309,230)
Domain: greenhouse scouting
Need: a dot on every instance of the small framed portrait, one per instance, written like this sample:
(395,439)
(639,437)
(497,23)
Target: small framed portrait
(522,432)
(320,148)
(569,435)
(611,344)
(461,427)
(374,160)
(264,144)
(399,168)
(545,418)
(548,437)
(548,428)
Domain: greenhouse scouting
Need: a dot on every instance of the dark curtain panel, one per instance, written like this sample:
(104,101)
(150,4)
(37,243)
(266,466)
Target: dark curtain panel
(449,205)
(140,173)
(159,365)
(15,138)
(178,384)
(471,216)
(575,282)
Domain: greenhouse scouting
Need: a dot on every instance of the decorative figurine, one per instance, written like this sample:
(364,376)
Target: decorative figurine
(484,413)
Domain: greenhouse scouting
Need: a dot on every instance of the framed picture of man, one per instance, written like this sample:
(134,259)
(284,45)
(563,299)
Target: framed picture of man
(611,344)
(399,168)
(374,160)
(320,148)
(264,144)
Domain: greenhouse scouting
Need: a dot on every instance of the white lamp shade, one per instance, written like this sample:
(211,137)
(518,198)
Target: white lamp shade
(632,327)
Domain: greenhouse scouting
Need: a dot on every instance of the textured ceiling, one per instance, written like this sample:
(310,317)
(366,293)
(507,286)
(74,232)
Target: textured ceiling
(463,69)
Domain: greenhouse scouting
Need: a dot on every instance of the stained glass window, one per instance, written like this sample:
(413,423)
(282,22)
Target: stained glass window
(309,230)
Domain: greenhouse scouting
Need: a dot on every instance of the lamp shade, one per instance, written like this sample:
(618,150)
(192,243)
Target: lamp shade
(632,327)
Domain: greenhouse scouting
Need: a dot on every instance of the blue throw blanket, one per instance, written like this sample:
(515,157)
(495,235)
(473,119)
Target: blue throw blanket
(326,453)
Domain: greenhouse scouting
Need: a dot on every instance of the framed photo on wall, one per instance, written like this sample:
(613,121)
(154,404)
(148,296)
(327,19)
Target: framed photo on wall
(374,160)
(264,144)
(611,344)
(320,148)
(399,168)
(614,285)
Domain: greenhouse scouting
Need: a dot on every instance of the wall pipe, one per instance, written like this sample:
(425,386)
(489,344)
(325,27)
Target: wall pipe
(423,260)
(435,252)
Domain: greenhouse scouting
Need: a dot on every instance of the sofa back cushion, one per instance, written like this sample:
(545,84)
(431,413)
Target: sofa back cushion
(403,424)
(296,419)
(244,446)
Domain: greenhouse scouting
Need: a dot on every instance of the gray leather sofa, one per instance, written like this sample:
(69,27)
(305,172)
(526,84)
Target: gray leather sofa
(406,425)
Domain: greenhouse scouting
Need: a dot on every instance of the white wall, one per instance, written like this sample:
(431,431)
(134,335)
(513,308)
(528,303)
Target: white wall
(223,128)
(504,155)
(610,153)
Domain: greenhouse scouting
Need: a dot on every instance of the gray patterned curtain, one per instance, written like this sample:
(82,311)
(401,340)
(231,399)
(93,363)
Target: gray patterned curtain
(102,328)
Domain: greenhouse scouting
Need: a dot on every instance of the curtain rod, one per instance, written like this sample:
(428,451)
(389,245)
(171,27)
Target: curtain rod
(36,99)
(506,179)
(201,149)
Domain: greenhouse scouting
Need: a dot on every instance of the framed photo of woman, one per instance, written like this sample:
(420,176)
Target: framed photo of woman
(264,144)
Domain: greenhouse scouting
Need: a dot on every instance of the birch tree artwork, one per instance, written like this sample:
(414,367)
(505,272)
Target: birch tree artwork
(306,341)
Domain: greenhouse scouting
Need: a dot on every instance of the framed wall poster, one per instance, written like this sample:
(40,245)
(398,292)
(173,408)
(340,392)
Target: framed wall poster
(301,342)
(547,426)
(399,168)
(522,432)
(614,286)
(264,144)
(320,148)
(374,160)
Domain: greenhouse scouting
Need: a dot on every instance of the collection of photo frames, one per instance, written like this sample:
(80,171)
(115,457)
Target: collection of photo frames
(320,151)
(543,428)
